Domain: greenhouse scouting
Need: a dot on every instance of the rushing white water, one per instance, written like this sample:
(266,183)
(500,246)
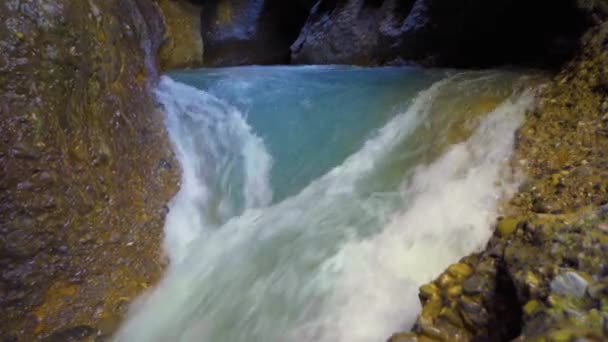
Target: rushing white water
(212,142)
(342,259)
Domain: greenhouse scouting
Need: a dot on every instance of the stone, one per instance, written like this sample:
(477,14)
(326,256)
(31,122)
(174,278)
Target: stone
(451,316)
(531,306)
(445,280)
(433,331)
(428,291)
(183,43)
(597,290)
(474,285)
(454,291)
(469,304)
(569,284)
(460,270)
(409,337)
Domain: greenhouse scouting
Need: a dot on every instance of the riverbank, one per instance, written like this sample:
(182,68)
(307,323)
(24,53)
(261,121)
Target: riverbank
(544,274)
(86,166)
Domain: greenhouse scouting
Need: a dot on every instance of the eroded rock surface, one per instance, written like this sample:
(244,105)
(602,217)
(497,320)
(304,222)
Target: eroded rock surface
(182,45)
(238,32)
(473,33)
(86,168)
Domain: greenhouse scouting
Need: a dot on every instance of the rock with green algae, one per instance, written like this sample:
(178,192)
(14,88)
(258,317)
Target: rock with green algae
(85,162)
(556,291)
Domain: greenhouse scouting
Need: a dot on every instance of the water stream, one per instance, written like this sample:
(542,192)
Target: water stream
(316,200)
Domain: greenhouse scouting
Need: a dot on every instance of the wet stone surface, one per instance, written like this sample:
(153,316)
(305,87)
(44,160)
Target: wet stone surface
(80,143)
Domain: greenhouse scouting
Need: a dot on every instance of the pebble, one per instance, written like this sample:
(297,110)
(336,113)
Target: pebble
(507,226)
(474,285)
(428,291)
(469,305)
(460,270)
(569,284)
(454,291)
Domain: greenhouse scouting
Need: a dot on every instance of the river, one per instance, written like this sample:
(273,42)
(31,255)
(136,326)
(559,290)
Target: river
(315,200)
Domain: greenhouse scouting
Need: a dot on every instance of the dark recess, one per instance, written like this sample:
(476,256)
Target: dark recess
(269,32)
(373,3)
(506,316)
(529,33)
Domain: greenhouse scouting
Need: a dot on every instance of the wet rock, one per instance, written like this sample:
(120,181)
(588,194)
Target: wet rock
(391,32)
(454,291)
(597,291)
(428,291)
(460,270)
(507,226)
(474,285)
(24,151)
(411,337)
(71,334)
(569,284)
(238,32)
(470,305)
(82,143)
(183,43)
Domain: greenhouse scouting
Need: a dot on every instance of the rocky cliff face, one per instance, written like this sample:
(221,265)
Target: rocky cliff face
(443,33)
(473,33)
(86,168)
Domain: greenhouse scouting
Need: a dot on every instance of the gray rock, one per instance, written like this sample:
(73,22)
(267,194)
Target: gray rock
(569,284)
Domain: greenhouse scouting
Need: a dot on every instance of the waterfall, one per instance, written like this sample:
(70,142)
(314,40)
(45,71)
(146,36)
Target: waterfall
(342,258)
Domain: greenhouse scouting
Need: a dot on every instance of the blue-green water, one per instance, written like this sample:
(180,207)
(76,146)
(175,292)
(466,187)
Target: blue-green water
(311,118)
(316,200)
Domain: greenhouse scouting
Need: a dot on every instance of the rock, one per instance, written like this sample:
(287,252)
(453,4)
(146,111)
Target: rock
(468,304)
(433,332)
(597,291)
(410,337)
(76,112)
(451,316)
(238,32)
(428,291)
(507,226)
(73,334)
(460,270)
(445,280)
(390,32)
(454,291)
(570,284)
(183,43)
(531,307)
(474,285)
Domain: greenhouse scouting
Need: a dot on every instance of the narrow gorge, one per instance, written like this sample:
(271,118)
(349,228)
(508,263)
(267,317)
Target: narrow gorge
(331,170)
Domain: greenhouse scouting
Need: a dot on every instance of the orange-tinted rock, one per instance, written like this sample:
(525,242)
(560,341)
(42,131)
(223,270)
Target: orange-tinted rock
(81,142)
